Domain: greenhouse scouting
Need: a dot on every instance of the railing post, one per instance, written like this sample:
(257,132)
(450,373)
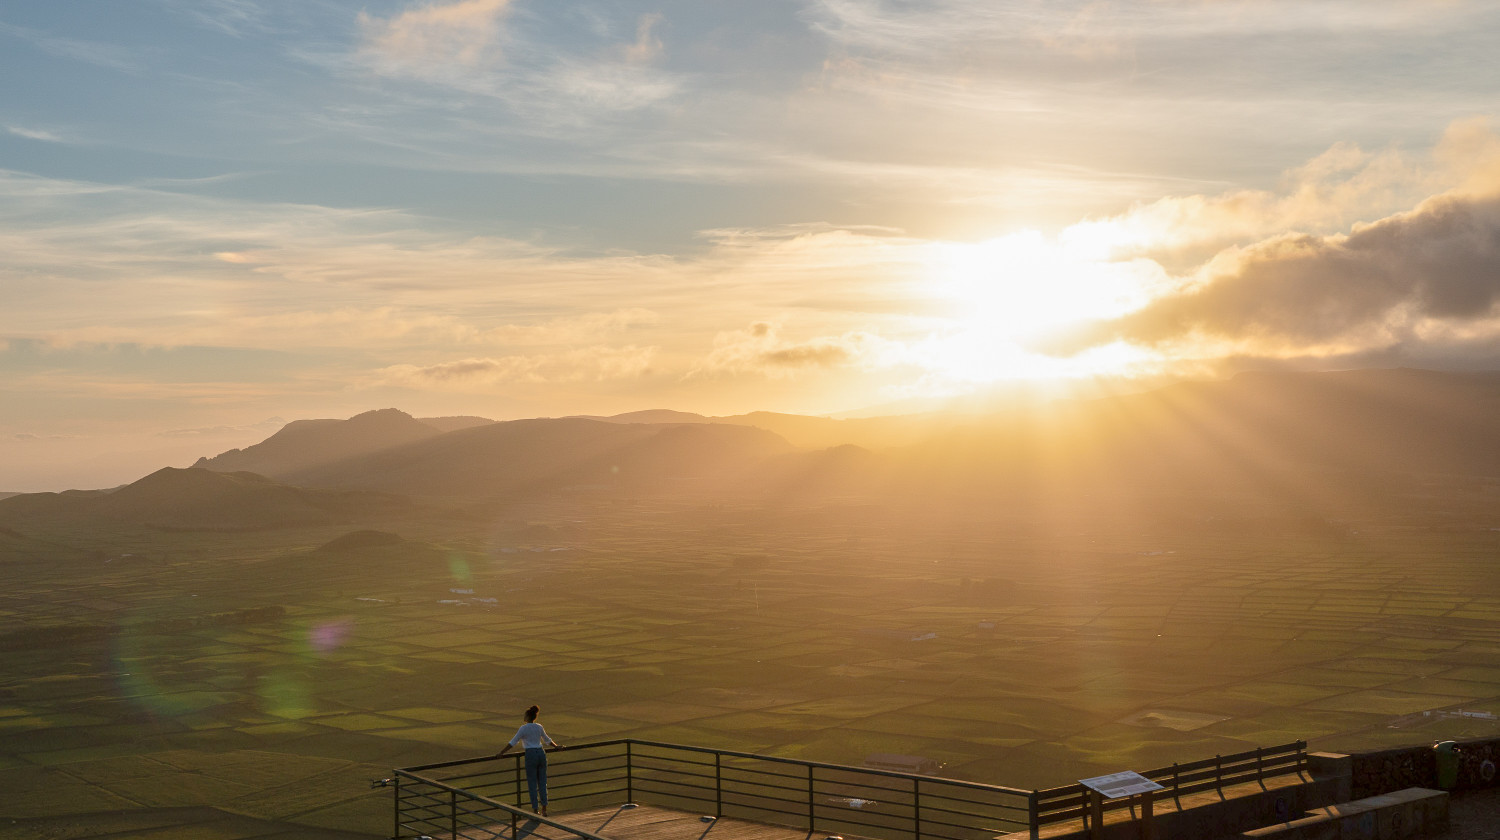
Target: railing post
(809,797)
(916,808)
(518,782)
(396,808)
(1219,775)
(629,775)
(1034,815)
(453,811)
(1260,770)
(718,784)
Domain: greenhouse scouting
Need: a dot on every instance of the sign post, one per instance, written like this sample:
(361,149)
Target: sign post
(1117,786)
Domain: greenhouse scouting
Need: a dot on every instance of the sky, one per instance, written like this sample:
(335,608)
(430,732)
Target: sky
(220,215)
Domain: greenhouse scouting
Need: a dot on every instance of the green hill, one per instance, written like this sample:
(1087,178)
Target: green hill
(199,499)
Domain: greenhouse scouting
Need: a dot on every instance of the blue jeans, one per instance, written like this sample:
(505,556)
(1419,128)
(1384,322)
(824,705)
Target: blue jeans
(536,776)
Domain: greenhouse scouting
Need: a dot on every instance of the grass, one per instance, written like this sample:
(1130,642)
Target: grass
(1094,663)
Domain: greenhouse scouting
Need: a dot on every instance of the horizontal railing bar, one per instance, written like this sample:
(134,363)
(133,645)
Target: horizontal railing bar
(647,766)
(640,783)
(803,763)
(926,808)
(771,804)
(1211,771)
(562,786)
(758,783)
(994,803)
(595,745)
(578,832)
(755,788)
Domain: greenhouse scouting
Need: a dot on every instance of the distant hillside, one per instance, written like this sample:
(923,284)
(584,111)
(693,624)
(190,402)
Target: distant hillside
(199,499)
(526,455)
(806,431)
(650,415)
(305,444)
(360,540)
(1289,434)
(1280,435)
(453,424)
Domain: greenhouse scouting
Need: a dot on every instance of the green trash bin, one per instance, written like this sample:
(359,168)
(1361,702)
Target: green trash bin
(1448,756)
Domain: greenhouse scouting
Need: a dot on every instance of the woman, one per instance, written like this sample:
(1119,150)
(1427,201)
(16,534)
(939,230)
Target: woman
(532,736)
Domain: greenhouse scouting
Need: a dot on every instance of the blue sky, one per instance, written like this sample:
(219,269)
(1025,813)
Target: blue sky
(217,212)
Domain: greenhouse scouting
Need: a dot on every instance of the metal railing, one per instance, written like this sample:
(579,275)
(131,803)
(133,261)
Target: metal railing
(471,798)
(427,808)
(1072,802)
(809,795)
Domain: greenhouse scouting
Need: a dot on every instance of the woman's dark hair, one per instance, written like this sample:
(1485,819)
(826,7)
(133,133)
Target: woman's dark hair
(532,712)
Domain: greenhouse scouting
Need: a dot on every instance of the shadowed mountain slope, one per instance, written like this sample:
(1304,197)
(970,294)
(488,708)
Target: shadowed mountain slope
(804,430)
(1295,434)
(1289,435)
(542,454)
(199,499)
(304,444)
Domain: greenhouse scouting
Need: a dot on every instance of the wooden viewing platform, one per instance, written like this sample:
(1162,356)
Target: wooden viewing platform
(638,822)
(679,792)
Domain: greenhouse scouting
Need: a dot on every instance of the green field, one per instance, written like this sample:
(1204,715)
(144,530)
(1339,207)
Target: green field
(1013,654)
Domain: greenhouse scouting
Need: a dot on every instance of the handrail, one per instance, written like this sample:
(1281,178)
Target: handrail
(1070,802)
(815,795)
(822,765)
(513,811)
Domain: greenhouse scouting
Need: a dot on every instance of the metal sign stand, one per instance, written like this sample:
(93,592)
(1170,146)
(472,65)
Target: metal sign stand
(1118,786)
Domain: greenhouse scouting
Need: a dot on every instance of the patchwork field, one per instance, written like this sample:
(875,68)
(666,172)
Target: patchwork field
(151,670)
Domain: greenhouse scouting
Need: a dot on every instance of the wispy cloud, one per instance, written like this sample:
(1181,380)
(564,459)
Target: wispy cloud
(647,46)
(435,40)
(593,363)
(761,349)
(99,53)
(239,18)
(34,134)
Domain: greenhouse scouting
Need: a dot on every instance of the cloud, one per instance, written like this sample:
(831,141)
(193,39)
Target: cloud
(647,46)
(1334,191)
(760,349)
(1404,278)
(268,425)
(596,363)
(99,53)
(435,39)
(933,27)
(34,134)
(237,18)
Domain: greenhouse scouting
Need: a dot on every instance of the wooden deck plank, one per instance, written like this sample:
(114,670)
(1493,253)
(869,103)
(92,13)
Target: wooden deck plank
(648,822)
(642,822)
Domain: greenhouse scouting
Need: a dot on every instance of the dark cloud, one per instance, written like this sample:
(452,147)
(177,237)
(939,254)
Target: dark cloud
(1439,262)
(818,354)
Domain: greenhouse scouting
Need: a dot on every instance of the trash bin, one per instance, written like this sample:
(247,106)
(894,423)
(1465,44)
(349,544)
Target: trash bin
(1448,755)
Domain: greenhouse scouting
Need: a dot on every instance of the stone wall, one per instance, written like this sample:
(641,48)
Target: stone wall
(1385,771)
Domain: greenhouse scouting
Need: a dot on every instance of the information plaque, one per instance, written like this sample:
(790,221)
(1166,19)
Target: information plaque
(1117,785)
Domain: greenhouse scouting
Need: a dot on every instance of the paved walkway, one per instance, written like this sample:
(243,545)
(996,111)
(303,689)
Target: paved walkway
(1473,815)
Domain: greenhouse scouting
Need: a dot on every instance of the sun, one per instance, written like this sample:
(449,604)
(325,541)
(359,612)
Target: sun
(1004,296)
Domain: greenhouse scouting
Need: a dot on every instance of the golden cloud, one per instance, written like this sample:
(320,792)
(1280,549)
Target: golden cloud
(426,39)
